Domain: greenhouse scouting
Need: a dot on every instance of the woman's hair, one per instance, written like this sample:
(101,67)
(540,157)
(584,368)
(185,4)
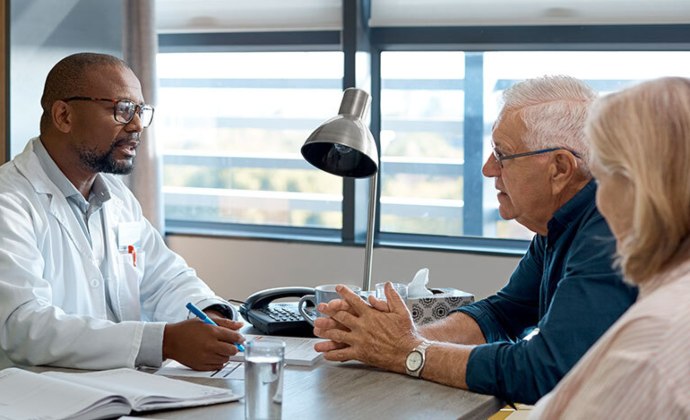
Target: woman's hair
(554,110)
(643,134)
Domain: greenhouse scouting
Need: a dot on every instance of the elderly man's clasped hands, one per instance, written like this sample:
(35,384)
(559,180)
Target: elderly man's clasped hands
(379,333)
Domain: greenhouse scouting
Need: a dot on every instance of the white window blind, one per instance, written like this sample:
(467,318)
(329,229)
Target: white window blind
(184,16)
(405,13)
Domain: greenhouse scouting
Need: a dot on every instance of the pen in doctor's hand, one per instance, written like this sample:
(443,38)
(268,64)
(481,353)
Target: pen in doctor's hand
(202,316)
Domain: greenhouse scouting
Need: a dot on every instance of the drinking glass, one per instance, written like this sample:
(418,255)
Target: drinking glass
(263,378)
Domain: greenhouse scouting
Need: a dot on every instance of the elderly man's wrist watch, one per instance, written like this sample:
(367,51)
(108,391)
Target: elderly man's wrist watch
(414,363)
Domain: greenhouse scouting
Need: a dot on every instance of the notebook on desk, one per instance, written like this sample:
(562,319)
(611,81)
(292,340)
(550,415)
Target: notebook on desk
(299,351)
(98,394)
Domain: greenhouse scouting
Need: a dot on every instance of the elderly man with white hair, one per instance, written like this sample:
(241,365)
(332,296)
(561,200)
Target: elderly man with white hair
(565,288)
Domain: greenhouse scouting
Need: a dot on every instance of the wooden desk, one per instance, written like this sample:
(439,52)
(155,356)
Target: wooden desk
(351,391)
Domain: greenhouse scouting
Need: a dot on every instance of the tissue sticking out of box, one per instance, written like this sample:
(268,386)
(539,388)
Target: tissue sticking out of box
(417,287)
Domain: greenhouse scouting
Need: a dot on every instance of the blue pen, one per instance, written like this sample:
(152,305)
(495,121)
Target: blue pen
(202,316)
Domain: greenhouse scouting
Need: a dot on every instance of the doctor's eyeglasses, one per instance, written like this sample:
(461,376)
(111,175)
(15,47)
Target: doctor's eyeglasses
(123,109)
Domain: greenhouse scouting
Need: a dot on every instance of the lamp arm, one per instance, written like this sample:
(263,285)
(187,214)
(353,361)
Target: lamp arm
(371,221)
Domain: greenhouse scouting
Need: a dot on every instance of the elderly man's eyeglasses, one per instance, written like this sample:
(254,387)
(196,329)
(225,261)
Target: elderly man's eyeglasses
(501,157)
(123,109)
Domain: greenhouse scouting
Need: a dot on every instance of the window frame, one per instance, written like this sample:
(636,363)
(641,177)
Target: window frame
(354,37)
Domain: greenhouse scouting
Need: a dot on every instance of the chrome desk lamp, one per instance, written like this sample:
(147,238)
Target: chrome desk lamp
(344,146)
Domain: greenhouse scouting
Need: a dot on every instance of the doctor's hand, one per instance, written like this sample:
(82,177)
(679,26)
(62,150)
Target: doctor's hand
(380,334)
(199,345)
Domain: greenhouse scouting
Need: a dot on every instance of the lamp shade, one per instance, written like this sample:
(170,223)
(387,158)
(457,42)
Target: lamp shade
(344,145)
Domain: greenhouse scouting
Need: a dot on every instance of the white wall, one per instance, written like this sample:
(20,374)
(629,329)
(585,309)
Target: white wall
(235,268)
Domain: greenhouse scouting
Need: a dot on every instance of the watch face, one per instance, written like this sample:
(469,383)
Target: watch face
(414,360)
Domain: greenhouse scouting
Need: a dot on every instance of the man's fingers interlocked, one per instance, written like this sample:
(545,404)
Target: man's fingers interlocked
(357,305)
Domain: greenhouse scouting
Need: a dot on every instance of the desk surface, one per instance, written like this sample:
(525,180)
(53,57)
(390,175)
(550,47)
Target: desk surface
(351,391)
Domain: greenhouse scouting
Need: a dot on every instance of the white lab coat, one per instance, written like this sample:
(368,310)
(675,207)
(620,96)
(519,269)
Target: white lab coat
(52,292)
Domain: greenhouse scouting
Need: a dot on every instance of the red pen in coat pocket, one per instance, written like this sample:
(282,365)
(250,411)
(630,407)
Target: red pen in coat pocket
(133,251)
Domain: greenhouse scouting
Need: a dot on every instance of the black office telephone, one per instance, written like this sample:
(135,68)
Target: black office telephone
(278,318)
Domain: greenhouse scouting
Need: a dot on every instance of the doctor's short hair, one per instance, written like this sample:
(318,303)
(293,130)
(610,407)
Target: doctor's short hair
(643,134)
(66,79)
(554,110)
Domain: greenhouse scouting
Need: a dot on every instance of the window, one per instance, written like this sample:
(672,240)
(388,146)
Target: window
(422,114)
(431,160)
(233,119)
(231,126)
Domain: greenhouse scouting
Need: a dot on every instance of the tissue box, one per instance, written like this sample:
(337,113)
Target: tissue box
(431,308)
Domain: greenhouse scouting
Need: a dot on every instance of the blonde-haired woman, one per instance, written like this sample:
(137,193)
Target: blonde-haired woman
(640,145)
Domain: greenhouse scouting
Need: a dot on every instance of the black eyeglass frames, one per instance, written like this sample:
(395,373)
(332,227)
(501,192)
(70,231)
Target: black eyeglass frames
(123,109)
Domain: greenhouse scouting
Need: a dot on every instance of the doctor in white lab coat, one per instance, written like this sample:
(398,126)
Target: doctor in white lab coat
(85,281)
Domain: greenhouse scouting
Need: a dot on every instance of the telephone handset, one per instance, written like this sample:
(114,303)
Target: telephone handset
(277,318)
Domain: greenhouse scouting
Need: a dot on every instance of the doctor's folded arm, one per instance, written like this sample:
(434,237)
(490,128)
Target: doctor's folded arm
(85,280)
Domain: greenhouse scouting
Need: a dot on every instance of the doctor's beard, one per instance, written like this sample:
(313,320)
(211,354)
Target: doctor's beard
(106,161)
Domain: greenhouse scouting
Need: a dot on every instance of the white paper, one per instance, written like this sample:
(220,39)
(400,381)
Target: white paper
(98,394)
(148,392)
(231,370)
(20,390)
(299,351)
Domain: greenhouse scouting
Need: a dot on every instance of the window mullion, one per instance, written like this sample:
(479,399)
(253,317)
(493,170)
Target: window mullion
(473,134)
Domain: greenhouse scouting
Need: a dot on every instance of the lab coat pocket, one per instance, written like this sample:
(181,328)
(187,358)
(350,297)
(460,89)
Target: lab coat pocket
(132,266)
(129,288)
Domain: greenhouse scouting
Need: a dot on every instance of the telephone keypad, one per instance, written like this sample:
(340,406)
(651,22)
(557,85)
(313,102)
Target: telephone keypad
(281,314)
(280,318)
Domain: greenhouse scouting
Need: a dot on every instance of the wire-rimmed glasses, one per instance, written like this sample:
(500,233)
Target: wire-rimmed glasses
(501,157)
